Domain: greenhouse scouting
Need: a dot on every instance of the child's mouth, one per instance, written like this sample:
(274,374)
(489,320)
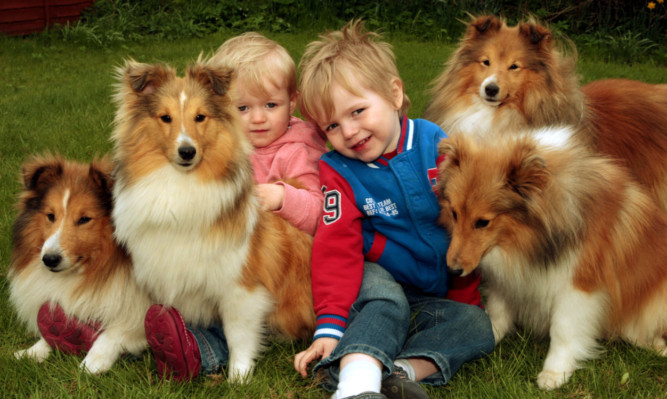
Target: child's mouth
(360,145)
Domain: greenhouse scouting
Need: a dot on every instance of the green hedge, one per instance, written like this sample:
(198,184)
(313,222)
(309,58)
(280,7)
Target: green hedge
(615,30)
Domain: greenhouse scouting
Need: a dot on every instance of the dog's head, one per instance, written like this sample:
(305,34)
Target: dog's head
(506,58)
(485,193)
(505,62)
(189,122)
(64,215)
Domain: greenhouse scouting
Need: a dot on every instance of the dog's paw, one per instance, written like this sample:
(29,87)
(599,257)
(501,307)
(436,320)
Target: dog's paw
(38,352)
(660,346)
(549,380)
(239,372)
(96,364)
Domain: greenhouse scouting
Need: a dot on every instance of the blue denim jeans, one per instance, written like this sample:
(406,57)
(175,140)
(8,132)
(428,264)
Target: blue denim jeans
(212,348)
(389,321)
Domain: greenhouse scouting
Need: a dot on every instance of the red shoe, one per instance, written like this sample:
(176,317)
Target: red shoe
(174,347)
(67,334)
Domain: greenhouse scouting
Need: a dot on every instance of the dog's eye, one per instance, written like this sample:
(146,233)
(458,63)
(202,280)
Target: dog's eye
(166,118)
(83,220)
(454,216)
(486,62)
(51,217)
(481,223)
(200,118)
(513,67)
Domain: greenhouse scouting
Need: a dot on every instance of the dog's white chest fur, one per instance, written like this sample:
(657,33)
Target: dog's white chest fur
(476,119)
(166,220)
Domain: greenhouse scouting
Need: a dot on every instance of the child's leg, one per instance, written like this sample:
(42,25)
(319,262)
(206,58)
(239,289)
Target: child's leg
(445,334)
(212,348)
(377,326)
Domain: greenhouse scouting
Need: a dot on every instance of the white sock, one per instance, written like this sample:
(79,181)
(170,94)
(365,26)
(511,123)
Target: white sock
(357,377)
(405,365)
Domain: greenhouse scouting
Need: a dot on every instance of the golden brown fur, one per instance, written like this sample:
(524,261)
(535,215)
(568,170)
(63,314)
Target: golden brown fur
(568,243)
(193,225)
(503,78)
(92,278)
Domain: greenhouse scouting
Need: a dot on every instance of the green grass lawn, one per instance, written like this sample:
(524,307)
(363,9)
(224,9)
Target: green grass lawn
(55,97)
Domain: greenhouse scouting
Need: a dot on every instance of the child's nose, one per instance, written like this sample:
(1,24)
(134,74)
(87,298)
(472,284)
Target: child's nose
(349,129)
(257,115)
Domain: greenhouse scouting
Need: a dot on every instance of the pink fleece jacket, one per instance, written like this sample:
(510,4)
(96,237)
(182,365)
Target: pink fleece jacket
(294,155)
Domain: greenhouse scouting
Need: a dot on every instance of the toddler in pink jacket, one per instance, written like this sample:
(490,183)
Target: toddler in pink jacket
(285,146)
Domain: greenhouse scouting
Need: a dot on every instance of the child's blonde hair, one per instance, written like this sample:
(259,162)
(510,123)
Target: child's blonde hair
(336,57)
(258,59)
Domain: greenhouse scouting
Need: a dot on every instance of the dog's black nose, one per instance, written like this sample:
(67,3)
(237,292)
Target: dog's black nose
(51,260)
(491,89)
(455,272)
(187,152)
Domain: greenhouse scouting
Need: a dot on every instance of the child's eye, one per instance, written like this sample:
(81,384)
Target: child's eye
(357,111)
(271,105)
(243,108)
(331,127)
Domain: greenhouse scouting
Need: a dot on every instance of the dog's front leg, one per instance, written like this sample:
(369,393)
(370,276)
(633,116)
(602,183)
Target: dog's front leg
(500,313)
(104,352)
(39,351)
(244,318)
(575,327)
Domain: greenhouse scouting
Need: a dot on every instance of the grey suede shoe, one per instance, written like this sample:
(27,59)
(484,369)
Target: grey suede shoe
(367,395)
(399,386)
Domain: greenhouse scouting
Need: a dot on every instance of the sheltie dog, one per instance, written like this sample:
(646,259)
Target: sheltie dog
(568,243)
(186,208)
(502,78)
(64,253)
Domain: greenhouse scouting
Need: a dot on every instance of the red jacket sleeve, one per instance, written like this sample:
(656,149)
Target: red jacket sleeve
(466,289)
(337,260)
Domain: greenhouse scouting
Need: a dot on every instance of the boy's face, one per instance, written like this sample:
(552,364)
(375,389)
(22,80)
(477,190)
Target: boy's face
(265,117)
(363,126)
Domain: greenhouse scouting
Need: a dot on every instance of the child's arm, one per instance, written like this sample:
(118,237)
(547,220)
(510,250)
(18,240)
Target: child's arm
(337,266)
(302,203)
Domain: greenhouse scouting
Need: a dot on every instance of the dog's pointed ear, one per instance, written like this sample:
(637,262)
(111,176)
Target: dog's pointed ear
(145,78)
(218,79)
(41,172)
(537,35)
(527,171)
(483,25)
(452,151)
(100,173)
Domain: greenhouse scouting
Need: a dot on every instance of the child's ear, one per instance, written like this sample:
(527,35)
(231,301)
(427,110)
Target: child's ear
(397,93)
(292,102)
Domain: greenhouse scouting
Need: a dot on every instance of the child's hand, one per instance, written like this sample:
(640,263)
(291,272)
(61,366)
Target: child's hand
(270,196)
(319,349)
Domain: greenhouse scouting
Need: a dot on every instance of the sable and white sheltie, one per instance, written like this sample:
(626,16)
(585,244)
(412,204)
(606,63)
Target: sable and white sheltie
(64,253)
(502,78)
(569,244)
(185,207)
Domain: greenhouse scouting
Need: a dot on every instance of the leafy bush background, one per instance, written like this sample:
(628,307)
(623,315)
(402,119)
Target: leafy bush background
(616,30)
